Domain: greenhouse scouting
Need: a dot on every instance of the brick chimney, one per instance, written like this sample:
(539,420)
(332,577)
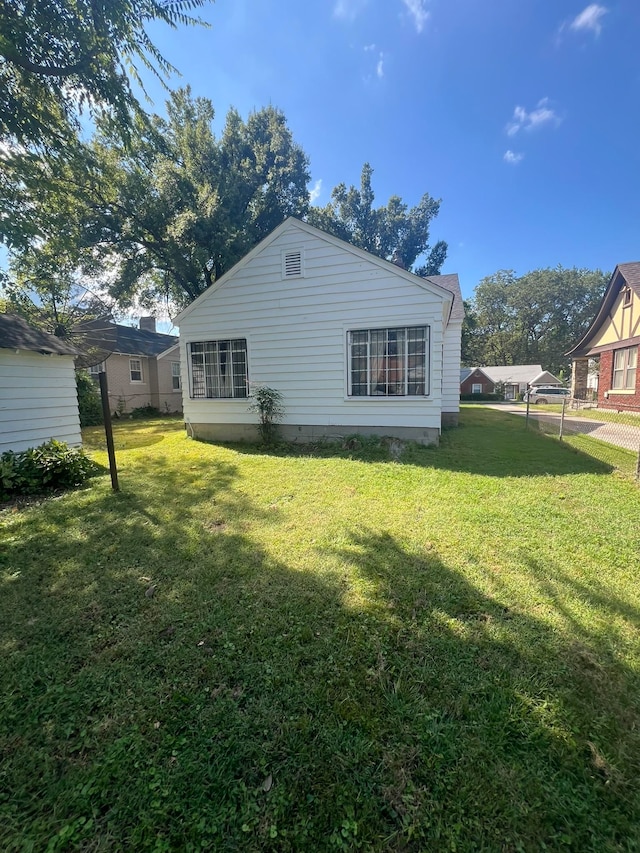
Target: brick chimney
(148,324)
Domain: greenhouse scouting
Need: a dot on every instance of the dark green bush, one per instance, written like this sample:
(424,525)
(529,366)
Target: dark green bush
(89,402)
(470,398)
(53,465)
(147,411)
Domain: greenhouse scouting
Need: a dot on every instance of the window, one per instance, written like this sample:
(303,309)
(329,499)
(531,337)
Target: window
(135,369)
(625,362)
(388,362)
(626,297)
(175,376)
(95,369)
(219,369)
(292,264)
(476,388)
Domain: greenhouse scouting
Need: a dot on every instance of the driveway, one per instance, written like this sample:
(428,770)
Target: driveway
(620,435)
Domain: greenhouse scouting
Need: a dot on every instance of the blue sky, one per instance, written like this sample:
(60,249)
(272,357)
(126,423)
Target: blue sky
(521,115)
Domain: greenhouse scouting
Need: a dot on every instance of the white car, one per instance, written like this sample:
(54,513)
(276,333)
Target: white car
(545,395)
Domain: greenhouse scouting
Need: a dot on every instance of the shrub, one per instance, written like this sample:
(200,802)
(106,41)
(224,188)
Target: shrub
(53,465)
(268,404)
(89,402)
(470,398)
(146,411)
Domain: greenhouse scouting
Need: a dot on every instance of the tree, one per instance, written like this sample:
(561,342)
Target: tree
(394,232)
(535,318)
(165,215)
(59,57)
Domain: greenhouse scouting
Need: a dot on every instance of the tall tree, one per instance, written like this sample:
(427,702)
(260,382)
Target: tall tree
(393,232)
(60,57)
(165,215)
(534,318)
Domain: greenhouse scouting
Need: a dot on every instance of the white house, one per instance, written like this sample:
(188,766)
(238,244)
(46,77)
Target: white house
(38,398)
(355,344)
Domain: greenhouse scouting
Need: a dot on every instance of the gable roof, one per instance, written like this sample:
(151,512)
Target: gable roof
(16,333)
(444,285)
(623,274)
(514,373)
(545,378)
(126,340)
(465,373)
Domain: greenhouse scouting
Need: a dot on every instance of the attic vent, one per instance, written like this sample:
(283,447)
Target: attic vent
(292,264)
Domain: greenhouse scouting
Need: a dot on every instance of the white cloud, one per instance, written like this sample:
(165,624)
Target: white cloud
(316,189)
(589,19)
(348,10)
(369,47)
(380,66)
(513,157)
(418,13)
(523,120)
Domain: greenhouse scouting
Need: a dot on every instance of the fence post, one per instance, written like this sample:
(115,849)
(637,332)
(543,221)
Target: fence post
(106,411)
(564,405)
(638,465)
(526,420)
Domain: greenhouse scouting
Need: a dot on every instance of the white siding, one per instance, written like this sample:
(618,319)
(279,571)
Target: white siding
(296,331)
(451,372)
(38,400)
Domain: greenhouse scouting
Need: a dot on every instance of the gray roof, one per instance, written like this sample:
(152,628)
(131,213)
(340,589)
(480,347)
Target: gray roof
(546,378)
(16,333)
(112,337)
(451,283)
(515,373)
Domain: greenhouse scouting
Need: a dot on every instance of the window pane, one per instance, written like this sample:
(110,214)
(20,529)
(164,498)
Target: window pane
(388,362)
(219,369)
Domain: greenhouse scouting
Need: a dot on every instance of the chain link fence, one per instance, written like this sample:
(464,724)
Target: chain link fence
(612,436)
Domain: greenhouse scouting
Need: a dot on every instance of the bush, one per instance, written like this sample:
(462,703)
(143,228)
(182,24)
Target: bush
(89,402)
(267,402)
(146,411)
(470,398)
(53,465)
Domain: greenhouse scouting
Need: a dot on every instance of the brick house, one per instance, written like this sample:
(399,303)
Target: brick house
(613,338)
(514,379)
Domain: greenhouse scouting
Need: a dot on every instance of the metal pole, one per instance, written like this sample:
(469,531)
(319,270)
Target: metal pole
(526,420)
(106,411)
(638,465)
(564,405)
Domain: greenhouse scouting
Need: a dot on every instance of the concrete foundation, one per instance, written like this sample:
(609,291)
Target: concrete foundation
(305,434)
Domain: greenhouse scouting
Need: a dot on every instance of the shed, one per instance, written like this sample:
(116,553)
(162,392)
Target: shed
(38,397)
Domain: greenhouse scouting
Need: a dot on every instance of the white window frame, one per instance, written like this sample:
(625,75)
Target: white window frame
(203,384)
(476,387)
(176,375)
(624,367)
(405,395)
(96,369)
(133,370)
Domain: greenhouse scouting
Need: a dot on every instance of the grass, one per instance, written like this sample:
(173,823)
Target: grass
(250,651)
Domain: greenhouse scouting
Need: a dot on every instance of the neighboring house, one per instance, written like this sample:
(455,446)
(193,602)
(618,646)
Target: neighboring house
(142,367)
(38,397)
(355,344)
(514,379)
(614,338)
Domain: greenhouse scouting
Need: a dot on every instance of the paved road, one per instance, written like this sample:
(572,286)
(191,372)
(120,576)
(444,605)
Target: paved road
(621,435)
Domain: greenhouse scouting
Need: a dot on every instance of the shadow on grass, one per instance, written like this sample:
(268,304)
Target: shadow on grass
(487,442)
(166,683)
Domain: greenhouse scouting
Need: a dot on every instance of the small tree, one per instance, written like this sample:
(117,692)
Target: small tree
(267,402)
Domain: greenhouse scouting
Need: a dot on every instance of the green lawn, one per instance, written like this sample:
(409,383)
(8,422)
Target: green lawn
(303,651)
